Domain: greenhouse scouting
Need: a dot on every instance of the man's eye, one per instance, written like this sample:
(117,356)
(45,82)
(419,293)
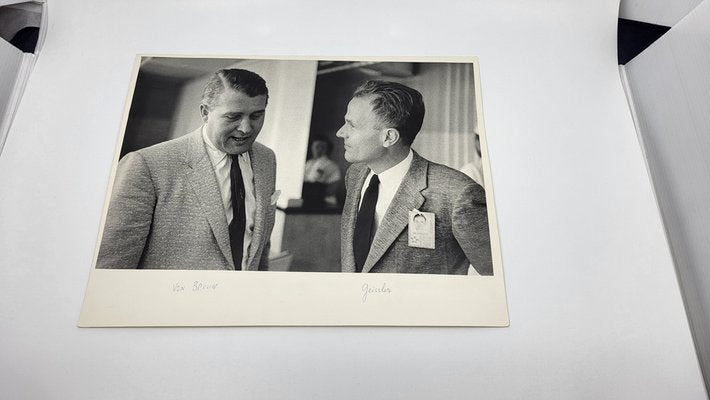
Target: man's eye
(256,117)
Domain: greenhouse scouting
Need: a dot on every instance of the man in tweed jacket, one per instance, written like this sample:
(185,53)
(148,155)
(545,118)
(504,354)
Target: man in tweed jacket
(171,204)
(381,123)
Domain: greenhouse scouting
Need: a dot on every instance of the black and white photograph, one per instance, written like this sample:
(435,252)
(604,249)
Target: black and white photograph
(300,165)
(362,181)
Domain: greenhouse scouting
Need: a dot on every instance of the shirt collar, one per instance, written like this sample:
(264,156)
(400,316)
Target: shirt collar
(216,155)
(394,175)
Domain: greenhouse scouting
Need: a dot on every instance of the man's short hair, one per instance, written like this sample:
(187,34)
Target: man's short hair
(240,80)
(398,106)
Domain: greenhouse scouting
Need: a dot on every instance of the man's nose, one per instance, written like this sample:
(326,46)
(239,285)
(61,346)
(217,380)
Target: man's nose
(245,126)
(340,133)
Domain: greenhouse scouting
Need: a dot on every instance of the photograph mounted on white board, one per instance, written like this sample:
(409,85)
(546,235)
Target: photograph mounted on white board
(374,168)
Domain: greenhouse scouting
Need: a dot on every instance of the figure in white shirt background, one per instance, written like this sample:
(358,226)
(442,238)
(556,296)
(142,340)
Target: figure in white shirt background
(320,169)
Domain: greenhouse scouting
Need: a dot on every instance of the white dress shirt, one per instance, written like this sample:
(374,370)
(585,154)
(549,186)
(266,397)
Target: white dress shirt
(389,183)
(222,164)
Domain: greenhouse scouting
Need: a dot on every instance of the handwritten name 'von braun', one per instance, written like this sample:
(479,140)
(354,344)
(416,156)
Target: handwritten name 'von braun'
(197,286)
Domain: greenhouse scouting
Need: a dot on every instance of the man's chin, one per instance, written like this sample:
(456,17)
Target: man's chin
(235,152)
(232,148)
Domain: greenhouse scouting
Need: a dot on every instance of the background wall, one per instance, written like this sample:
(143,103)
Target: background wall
(187,112)
(449,130)
(595,307)
(152,118)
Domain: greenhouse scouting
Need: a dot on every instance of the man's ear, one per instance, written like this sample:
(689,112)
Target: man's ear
(391,137)
(204,111)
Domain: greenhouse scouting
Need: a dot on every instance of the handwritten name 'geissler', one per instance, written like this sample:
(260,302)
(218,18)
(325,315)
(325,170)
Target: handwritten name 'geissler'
(367,290)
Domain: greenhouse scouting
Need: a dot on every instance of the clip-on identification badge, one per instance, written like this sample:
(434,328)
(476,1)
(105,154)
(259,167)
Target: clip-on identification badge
(421,229)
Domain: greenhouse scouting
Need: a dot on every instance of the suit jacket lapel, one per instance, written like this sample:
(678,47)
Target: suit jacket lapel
(259,167)
(202,179)
(352,203)
(407,198)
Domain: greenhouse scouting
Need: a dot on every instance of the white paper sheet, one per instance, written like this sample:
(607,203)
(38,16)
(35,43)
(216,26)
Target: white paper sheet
(671,93)
(11,66)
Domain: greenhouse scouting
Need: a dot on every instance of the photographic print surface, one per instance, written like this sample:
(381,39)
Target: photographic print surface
(255,168)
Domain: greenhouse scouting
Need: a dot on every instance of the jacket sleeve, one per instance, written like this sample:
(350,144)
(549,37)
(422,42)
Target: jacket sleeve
(129,216)
(470,227)
(264,261)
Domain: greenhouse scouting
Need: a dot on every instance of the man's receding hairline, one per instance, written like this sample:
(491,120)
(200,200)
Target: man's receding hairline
(371,102)
(223,81)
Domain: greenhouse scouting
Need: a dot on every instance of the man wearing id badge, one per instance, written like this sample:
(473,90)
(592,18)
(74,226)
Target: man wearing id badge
(403,213)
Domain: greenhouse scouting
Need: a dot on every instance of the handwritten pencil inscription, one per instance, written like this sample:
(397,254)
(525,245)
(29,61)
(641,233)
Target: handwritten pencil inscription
(374,290)
(196,286)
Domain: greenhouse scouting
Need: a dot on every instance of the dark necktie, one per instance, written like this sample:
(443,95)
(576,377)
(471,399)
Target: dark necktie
(364,223)
(239,221)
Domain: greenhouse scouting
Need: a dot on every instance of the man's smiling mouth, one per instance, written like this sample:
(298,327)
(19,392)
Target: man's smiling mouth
(240,140)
